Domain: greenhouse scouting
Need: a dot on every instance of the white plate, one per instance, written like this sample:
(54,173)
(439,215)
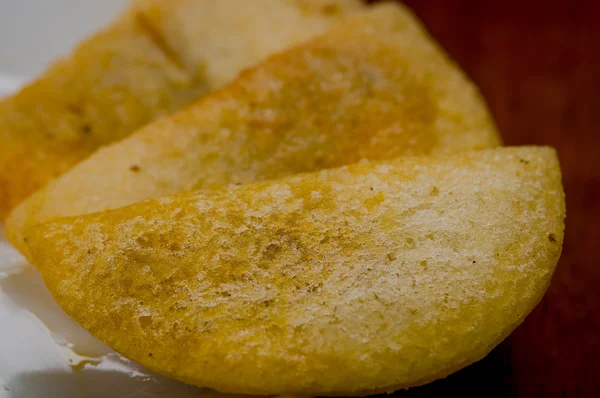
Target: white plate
(37,339)
(33,32)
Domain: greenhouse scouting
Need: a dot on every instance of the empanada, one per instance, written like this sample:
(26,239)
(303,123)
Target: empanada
(349,281)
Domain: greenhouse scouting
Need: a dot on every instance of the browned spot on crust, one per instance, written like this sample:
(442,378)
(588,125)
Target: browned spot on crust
(156,36)
(330,9)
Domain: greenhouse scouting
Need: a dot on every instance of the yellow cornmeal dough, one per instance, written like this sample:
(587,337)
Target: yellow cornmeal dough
(374,87)
(365,278)
(158,56)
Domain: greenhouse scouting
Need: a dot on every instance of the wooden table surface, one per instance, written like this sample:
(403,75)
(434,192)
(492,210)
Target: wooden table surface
(537,63)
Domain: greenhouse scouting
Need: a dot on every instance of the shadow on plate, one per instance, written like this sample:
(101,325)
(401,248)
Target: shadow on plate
(93,383)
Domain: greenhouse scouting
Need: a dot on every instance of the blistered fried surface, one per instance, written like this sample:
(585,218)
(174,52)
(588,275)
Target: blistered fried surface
(365,278)
(375,87)
(159,56)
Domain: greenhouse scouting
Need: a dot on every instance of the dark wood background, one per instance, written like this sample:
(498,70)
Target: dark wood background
(538,65)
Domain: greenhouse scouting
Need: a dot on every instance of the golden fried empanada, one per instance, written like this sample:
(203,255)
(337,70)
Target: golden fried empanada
(355,280)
